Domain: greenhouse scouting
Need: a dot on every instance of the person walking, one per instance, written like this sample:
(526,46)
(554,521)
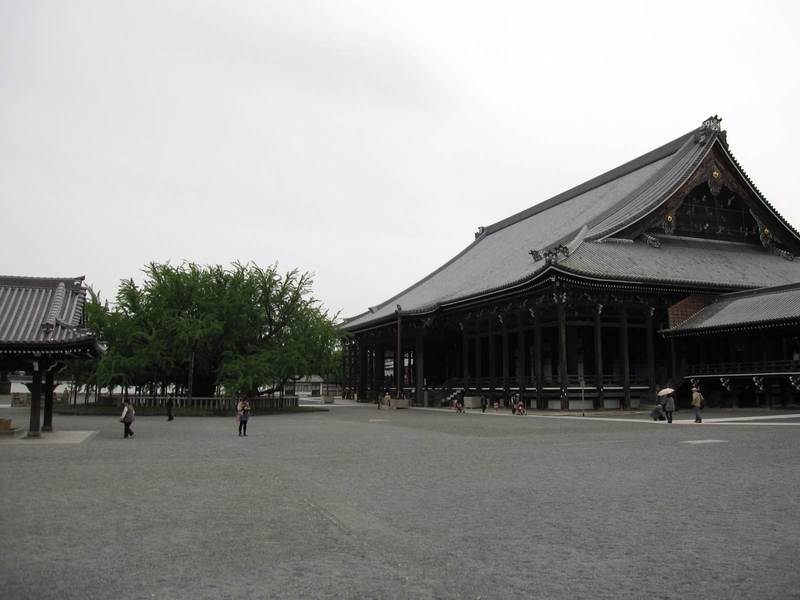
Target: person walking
(170,405)
(127,417)
(697,404)
(243,410)
(669,407)
(484,403)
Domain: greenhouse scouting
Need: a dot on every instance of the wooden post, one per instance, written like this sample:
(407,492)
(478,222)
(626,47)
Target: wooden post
(505,358)
(362,370)
(520,356)
(36,399)
(598,357)
(465,353)
(537,360)
(379,364)
(651,360)
(47,425)
(398,357)
(419,363)
(626,361)
(478,365)
(492,357)
(562,354)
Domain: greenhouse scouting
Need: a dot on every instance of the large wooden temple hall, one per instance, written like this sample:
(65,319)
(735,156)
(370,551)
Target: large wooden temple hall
(651,274)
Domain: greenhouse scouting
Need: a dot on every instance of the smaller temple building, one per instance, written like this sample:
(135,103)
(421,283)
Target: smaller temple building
(42,326)
(744,347)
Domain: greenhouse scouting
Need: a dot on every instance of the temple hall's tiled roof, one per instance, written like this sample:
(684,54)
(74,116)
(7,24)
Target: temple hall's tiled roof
(583,219)
(682,260)
(38,312)
(761,307)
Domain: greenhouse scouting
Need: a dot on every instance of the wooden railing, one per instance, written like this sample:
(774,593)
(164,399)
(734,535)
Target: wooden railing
(733,368)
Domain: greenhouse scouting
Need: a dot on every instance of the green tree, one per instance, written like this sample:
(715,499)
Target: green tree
(245,328)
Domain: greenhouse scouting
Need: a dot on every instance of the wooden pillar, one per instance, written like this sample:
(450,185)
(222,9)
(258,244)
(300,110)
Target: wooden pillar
(562,354)
(362,370)
(520,356)
(464,353)
(505,357)
(537,360)
(478,365)
(398,358)
(419,364)
(47,424)
(626,361)
(344,368)
(599,401)
(36,399)
(492,356)
(651,353)
(377,367)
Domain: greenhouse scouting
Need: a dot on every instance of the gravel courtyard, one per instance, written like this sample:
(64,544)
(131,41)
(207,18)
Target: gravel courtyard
(360,503)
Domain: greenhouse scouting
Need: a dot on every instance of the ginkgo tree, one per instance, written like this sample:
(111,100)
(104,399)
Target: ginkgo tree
(204,329)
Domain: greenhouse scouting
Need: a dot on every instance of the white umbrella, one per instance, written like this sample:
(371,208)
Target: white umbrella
(666,392)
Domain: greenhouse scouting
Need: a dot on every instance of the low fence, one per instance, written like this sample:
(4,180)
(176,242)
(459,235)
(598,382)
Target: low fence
(218,403)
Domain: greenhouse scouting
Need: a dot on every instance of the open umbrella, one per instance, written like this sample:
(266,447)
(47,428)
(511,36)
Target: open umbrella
(666,392)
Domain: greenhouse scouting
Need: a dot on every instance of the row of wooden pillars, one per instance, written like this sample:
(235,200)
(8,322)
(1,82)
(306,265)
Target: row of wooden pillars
(39,389)
(359,376)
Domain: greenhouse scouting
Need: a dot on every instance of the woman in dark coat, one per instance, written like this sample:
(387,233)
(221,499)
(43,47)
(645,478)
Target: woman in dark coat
(128,415)
(669,407)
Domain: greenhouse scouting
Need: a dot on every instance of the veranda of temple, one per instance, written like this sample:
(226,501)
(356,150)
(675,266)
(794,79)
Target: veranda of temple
(570,303)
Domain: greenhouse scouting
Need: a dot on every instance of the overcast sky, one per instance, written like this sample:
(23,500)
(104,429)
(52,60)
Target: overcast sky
(364,141)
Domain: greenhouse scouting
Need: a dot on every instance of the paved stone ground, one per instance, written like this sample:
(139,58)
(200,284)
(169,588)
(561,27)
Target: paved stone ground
(360,503)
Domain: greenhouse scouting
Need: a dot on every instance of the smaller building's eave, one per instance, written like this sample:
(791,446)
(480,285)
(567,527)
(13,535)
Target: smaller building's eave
(679,331)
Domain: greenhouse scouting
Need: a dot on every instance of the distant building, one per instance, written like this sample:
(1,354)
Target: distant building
(577,302)
(42,325)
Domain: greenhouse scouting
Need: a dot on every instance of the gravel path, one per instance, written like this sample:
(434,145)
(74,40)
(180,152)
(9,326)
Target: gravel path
(360,503)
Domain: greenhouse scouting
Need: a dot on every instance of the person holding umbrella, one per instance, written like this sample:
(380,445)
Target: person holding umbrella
(668,397)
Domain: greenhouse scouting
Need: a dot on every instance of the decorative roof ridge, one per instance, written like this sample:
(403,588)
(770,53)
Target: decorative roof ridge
(698,139)
(49,282)
(55,307)
(640,162)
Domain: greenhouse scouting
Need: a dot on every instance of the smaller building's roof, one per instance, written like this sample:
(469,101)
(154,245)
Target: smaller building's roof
(42,313)
(759,308)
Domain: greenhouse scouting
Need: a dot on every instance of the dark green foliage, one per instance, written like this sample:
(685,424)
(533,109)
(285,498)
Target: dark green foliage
(244,328)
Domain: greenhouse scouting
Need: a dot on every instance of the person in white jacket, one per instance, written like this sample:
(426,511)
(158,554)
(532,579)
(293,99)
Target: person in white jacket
(128,415)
